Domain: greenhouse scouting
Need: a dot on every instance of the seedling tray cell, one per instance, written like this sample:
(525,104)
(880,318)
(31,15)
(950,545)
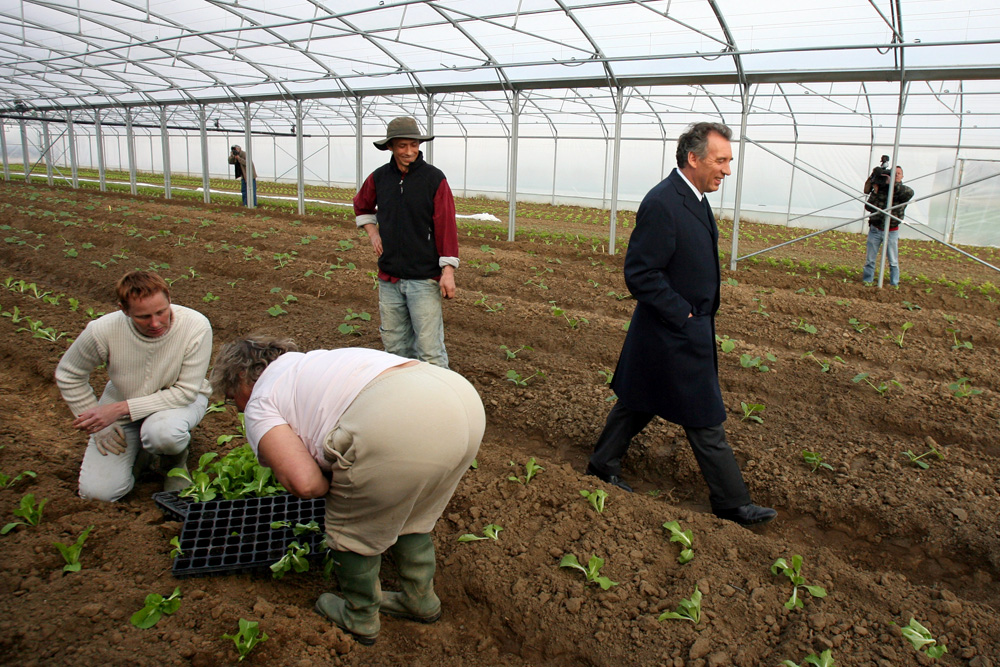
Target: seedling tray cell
(172,505)
(226,536)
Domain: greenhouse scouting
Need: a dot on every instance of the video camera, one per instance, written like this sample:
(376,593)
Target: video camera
(235,149)
(880,174)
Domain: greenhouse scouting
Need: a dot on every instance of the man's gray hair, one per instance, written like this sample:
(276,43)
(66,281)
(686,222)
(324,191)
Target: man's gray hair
(695,140)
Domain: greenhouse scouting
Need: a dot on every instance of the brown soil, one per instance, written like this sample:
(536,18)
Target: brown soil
(888,540)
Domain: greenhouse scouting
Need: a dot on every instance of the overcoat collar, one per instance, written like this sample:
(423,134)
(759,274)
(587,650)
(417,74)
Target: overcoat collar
(697,208)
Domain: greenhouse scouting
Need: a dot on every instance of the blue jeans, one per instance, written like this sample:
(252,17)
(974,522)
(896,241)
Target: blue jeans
(872,255)
(412,325)
(243,191)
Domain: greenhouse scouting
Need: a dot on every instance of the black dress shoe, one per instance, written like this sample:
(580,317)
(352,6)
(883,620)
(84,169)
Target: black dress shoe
(614,480)
(747,515)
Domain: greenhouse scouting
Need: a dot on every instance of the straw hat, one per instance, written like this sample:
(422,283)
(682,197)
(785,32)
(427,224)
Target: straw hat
(403,127)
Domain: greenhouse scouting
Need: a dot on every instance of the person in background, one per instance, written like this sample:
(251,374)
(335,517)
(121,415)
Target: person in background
(238,158)
(157,355)
(668,364)
(384,438)
(408,211)
(877,189)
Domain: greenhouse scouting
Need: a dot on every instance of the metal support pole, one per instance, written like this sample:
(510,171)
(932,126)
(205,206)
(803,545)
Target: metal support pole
(904,87)
(249,170)
(791,181)
(71,138)
(300,176)
(47,152)
(739,177)
(3,149)
(359,176)
(949,235)
(206,182)
(512,167)
(165,143)
(555,164)
(430,129)
(99,134)
(130,146)
(465,167)
(25,154)
(619,104)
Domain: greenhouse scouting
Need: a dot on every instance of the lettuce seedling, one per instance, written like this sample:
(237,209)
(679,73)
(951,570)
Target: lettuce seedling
(530,470)
(793,572)
(596,498)
(750,411)
(882,387)
(156,607)
(684,537)
(490,532)
(294,558)
(917,459)
(29,511)
(175,542)
(824,659)
(592,571)
(512,354)
(815,459)
(71,552)
(920,638)
(687,610)
(6,481)
(961,388)
(248,636)
(898,340)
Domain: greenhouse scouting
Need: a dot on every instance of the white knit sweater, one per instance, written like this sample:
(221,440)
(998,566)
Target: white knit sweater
(152,374)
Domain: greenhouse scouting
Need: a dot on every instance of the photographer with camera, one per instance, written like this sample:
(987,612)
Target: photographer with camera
(238,157)
(877,189)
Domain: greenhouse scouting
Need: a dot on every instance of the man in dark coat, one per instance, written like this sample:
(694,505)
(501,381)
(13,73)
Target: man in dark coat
(668,364)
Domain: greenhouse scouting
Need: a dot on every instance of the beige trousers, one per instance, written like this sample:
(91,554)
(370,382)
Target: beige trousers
(397,454)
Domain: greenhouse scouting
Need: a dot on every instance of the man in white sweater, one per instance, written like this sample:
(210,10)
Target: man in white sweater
(157,355)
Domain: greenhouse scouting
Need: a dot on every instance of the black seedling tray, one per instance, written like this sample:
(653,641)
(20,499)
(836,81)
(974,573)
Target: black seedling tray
(172,505)
(227,536)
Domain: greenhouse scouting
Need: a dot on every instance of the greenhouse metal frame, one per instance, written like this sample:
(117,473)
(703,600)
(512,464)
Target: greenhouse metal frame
(552,100)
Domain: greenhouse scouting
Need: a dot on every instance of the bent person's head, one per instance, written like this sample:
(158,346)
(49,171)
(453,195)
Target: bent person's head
(139,285)
(239,363)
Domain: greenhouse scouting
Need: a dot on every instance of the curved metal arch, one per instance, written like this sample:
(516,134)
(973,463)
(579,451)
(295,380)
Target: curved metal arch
(608,72)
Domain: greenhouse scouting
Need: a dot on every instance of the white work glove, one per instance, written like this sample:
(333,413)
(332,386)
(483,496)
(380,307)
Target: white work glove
(110,440)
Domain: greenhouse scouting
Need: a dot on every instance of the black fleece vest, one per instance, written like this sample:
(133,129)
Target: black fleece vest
(405,212)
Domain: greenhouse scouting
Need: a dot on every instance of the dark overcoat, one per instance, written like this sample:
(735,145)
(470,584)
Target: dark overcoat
(668,365)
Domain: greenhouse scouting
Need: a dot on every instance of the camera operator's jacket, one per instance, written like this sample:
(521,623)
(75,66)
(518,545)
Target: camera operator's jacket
(879,198)
(240,160)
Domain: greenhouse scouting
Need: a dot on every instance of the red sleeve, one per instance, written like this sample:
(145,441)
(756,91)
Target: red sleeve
(364,201)
(445,227)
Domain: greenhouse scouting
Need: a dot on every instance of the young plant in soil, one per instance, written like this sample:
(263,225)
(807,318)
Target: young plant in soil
(29,511)
(725,344)
(918,460)
(959,344)
(858,325)
(294,559)
(824,659)
(794,574)
(71,552)
(685,537)
(961,388)
(175,542)
(746,361)
(596,498)
(574,322)
(815,459)
(530,470)
(882,387)
(607,375)
(898,340)
(156,607)
(824,365)
(490,532)
(299,529)
(519,381)
(248,636)
(592,571)
(687,610)
(751,410)
(921,638)
(804,327)
(7,482)
(512,354)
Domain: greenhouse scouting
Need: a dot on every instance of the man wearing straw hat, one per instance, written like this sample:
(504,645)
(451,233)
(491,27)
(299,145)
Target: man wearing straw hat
(408,211)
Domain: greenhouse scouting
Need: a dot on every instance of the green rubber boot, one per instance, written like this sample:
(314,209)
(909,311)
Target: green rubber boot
(357,611)
(414,557)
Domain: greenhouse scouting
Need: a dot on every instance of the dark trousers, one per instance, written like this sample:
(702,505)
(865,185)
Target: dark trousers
(714,455)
